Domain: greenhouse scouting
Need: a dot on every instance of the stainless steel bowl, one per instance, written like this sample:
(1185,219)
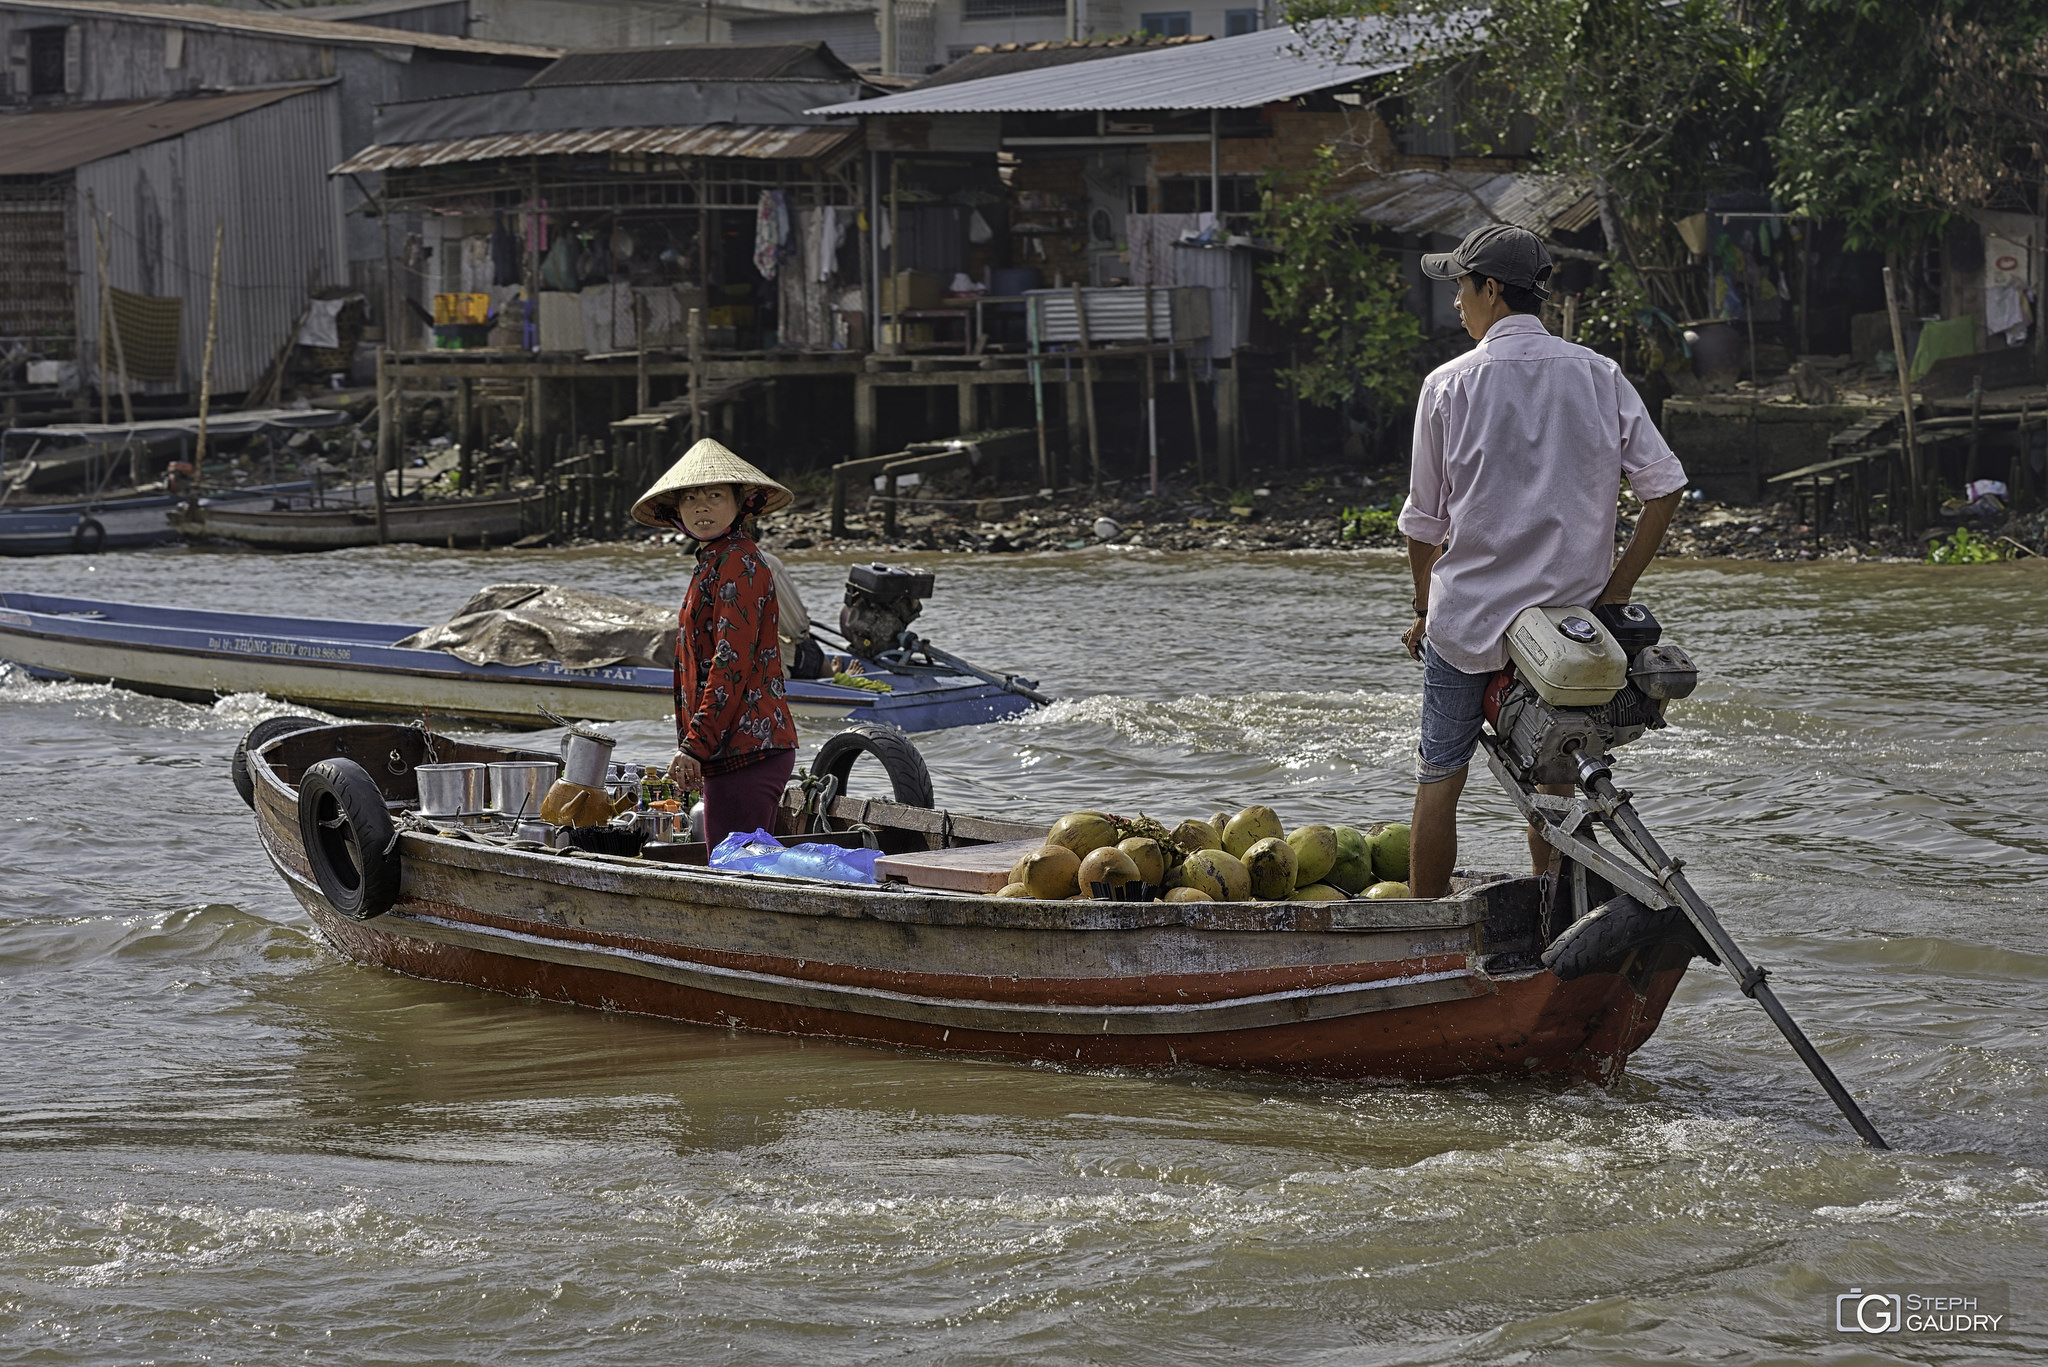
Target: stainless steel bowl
(450,789)
(518,785)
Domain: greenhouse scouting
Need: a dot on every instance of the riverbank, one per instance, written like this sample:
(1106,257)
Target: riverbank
(1326,509)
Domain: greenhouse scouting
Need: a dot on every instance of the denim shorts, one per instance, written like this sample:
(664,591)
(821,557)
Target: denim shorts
(1453,710)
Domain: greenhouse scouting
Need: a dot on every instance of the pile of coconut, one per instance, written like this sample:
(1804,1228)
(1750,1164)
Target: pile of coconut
(1244,858)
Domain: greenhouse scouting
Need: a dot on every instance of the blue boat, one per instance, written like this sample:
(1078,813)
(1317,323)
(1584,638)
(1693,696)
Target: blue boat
(355,669)
(85,527)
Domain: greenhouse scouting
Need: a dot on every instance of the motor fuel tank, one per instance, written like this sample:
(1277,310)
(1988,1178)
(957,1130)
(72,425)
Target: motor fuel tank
(1567,656)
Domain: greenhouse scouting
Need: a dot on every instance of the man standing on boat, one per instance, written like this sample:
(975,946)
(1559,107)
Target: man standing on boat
(1520,448)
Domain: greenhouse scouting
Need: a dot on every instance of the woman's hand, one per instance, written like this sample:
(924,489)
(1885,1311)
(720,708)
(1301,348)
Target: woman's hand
(686,770)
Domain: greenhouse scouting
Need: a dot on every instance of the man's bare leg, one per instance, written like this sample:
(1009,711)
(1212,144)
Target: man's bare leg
(1542,854)
(1433,836)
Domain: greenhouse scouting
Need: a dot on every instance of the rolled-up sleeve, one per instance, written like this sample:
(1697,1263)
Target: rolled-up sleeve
(1647,459)
(1425,517)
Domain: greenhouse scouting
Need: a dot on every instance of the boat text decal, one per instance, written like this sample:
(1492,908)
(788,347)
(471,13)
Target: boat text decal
(268,645)
(14,619)
(623,672)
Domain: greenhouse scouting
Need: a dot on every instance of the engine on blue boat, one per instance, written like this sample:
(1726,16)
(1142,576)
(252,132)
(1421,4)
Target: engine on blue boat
(1582,682)
(881,603)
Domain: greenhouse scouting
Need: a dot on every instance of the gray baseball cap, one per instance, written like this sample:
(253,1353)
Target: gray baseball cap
(1499,251)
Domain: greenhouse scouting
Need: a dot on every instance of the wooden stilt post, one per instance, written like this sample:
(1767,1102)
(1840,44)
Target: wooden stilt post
(1038,393)
(1194,413)
(384,442)
(864,402)
(1911,436)
(1088,388)
(696,375)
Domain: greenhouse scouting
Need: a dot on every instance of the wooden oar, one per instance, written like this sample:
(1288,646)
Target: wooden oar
(1664,885)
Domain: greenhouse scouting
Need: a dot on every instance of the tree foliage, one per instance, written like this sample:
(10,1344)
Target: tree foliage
(1343,294)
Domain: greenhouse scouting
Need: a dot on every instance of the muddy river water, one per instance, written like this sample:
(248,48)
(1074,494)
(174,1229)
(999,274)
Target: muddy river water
(221,1142)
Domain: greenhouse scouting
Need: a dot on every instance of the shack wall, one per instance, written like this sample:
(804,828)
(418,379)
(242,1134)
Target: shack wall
(263,174)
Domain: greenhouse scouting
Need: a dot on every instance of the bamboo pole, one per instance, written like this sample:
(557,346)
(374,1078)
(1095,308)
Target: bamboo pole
(1911,521)
(111,327)
(384,442)
(220,231)
(1088,389)
(99,249)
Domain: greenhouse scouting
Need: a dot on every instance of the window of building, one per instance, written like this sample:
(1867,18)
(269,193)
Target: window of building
(1013,9)
(1169,24)
(46,61)
(1240,21)
(1190,194)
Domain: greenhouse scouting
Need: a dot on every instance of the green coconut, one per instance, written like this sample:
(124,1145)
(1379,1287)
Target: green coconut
(1315,852)
(1318,892)
(1387,890)
(1150,857)
(1271,866)
(1249,827)
(1194,834)
(1217,873)
(1108,865)
(1353,870)
(1390,852)
(1082,832)
(1050,872)
(1188,895)
(1015,890)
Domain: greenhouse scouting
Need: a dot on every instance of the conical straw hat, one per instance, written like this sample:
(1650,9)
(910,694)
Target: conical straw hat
(708,462)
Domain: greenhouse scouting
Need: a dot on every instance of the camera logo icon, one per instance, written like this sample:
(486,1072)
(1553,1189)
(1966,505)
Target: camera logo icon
(1873,1312)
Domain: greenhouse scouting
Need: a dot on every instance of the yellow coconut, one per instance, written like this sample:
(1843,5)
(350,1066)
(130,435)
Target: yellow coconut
(1219,820)
(1082,832)
(1315,852)
(1380,892)
(1249,827)
(1271,864)
(1192,835)
(1188,895)
(1150,857)
(1050,872)
(1015,890)
(1318,892)
(1217,873)
(1108,865)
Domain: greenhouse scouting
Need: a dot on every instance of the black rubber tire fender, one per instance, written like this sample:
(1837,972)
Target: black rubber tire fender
(1606,935)
(909,779)
(88,536)
(349,839)
(260,735)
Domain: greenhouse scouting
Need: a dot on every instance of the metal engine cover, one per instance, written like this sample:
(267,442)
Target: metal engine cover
(881,603)
(1541,739)
(1664,671)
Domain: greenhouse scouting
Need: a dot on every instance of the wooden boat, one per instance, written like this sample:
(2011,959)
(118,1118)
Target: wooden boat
(1403,989)
(77,527)
(492,521)
(353,669)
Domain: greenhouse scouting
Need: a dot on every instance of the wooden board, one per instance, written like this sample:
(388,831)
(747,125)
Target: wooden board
(971,868)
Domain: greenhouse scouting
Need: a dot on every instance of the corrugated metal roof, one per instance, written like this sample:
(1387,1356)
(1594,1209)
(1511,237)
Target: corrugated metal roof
(1455,202)
(1006,59)
(1229,73)
(799,143)
(697,62)
(47,141)
(272,24)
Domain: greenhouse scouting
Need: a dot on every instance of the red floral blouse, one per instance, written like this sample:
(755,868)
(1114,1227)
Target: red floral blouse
(730,705)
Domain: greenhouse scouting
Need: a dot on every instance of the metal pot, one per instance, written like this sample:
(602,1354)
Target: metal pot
(584,757)
(450,789)
(517,785)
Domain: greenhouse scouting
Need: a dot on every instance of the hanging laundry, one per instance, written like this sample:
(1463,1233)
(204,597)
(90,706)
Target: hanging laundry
(504,253)
(2005,312)
(771,232)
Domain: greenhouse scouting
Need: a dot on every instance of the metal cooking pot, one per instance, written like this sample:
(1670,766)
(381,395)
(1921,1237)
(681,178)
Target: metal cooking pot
(450,789)
(584,757)
(517,785)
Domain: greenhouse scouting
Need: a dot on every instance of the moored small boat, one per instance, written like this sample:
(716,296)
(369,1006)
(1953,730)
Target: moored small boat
(357,669)
(1402,989)
(84,527)
(492,521)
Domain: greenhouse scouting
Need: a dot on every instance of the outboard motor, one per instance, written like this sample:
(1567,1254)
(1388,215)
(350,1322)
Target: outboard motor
(1583,682)
(881,603)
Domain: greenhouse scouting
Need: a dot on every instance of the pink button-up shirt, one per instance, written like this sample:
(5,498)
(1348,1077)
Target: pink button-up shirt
(1520,446)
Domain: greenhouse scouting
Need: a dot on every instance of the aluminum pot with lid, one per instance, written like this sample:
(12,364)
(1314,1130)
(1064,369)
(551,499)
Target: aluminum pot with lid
(517,785)
(450,789)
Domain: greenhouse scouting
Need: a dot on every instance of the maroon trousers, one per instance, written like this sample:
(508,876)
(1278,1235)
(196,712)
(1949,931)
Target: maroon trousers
(746,798)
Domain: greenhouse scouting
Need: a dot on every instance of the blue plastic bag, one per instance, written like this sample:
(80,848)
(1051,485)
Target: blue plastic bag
(760,852)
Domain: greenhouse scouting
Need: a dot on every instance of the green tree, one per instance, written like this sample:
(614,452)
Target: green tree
(1340,292)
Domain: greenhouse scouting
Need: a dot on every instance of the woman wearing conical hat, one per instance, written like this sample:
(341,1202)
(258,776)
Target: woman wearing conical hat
(735,739)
